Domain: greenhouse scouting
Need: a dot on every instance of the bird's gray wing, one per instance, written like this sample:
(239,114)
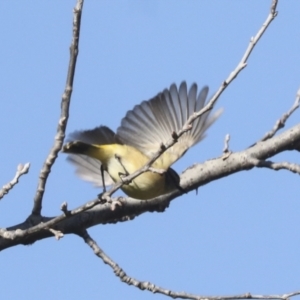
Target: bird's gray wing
(152,122)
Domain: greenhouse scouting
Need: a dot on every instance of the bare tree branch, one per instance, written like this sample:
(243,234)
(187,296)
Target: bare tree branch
(281,122)
(21,170)
(30,231)
(93,213)
(145,285)
(226,144)
(295,168)
(65,103)
(113,210)
(243,63)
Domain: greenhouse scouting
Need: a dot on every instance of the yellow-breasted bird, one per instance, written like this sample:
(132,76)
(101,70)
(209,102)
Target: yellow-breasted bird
(103,157)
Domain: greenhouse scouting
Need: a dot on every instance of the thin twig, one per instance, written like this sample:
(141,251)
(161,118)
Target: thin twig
(19,233)
(281,122)
(57,234)
(226,144)
(21,170)
(145,285)
(295,168)
(65,103)
(226,151)
(64,208)
(243,63)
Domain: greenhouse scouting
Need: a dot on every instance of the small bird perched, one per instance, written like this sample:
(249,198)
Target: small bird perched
(104,157)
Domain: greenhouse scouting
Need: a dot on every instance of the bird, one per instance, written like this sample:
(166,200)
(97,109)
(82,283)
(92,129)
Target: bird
(104,157)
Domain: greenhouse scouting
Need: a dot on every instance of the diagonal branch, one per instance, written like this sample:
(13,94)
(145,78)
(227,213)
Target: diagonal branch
(65,103)
(188,125)
(234,163)
(294,168)
(21,170)
(243,63)
(146,285)
(281,122)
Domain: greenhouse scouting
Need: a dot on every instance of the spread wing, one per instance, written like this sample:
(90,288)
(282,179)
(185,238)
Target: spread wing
(152,122)
(88,168)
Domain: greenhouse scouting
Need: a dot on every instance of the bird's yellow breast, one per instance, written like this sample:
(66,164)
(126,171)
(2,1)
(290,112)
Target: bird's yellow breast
(121,160)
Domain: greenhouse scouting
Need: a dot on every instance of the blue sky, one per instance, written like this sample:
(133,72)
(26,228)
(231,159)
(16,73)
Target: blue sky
(239,234)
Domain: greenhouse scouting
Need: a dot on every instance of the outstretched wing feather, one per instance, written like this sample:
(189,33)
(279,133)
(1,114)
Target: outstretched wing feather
(152,122)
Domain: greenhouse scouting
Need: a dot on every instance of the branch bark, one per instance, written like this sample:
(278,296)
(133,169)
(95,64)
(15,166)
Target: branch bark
(62,123)
(94,213)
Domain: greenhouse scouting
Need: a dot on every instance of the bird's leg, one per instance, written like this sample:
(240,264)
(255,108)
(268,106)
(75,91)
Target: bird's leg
(102,175)
(103,184)
(121,175)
